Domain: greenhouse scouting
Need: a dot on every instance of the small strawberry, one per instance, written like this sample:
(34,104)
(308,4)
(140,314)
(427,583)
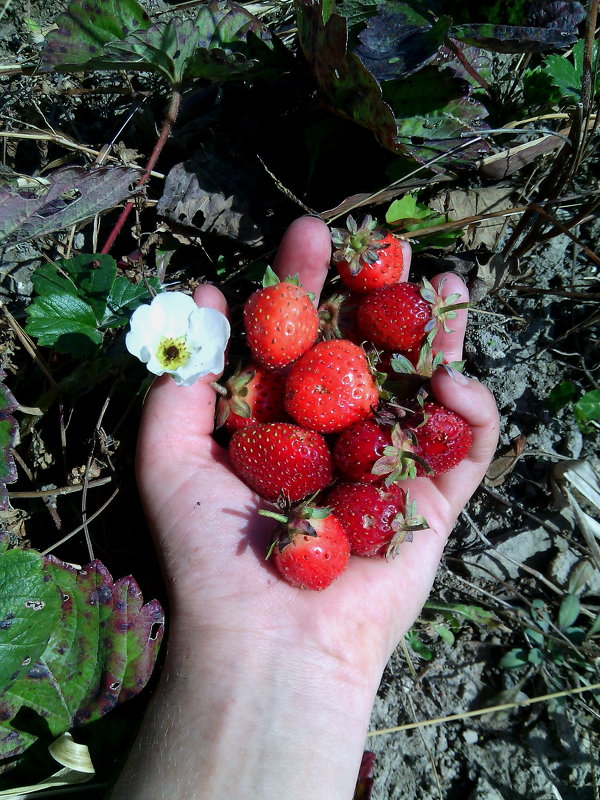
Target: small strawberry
(280,459)
(330,387)
(366,256)
(358,448)
(403,316)
(376,518)
(253,394)
(310,549)
(443,438)
(281,322)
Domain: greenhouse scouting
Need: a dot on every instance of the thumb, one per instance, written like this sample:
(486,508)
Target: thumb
(175,419)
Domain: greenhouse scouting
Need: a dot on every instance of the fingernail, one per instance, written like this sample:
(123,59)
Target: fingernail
(456,376)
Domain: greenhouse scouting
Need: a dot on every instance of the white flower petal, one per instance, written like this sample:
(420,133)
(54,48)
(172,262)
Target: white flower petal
(174,315)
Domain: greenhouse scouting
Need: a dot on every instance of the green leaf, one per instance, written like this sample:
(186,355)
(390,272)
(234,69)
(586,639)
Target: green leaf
(564,76)
(86,27)
(444,633)
(63,321)
(124,297)
(569,611)
(560,396)
(327,9)
(419,647)
(514,658)
(222,42)
(535,656)
(595,627)
(29,610)
(534,636)
(476,614)
(91,646)
(588,407)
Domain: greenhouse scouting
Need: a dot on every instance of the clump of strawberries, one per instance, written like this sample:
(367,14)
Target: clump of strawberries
(318,424)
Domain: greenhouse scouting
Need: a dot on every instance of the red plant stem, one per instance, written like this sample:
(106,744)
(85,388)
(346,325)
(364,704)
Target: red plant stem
(160,143)
(451,45)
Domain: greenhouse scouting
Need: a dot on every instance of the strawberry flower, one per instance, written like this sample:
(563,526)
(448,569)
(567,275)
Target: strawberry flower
(173,335)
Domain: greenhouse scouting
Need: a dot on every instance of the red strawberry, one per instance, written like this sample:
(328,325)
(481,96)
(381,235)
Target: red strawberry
(330,387)
(311,549)
(366,256)
(358,448)
(253,394)
(281,322)
(443,437)
(279,458)
(403,316)
(376,518)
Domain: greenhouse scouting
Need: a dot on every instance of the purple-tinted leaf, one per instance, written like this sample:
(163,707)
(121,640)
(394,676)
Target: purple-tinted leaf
(70,196)
(8,431)
(562,14)
(86,27)
(513,38)
(345,83)
(398,41)
(97,651)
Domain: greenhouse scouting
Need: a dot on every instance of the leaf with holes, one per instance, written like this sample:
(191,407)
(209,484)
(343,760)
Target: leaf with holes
(514,38)
(74,644)
(69,196)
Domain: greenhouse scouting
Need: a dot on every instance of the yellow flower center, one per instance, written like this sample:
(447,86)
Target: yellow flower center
(172,353)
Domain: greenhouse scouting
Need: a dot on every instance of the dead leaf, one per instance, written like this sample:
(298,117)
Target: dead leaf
(502,466)
(571,480)
(462,204)
(211,194)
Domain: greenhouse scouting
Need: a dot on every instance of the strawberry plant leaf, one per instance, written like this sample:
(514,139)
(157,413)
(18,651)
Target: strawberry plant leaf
(433,111)
(412,215)
(514,38)
(86,27)
(69,196)
(74,644)
(514,658)
(587,408)
(222,42)
(566,75)
(346,84)
(8,432)
(560,396)
(568,612)
(398,41)
(63,321)
(79,296)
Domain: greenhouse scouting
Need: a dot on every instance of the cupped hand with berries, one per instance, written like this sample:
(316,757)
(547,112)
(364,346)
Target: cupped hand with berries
(267,689)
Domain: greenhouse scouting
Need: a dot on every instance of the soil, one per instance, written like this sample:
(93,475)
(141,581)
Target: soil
(514,543)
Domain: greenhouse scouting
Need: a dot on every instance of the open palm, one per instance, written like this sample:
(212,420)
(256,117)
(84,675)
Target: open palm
(213,542)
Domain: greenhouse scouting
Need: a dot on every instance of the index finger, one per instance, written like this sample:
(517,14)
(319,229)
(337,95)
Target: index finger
(305,250)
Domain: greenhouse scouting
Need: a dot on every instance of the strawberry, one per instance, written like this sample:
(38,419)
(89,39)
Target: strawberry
(366,256)
(280,459)
(252,394)
(443,438)
(330,387)
(376,518)
(310,550)
(403,316)
(358,448)
(281,322)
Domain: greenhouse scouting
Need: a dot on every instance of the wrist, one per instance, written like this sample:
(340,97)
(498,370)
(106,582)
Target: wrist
(247,716)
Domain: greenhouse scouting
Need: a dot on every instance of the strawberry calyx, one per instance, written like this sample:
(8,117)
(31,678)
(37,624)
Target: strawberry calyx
(294,521)
(358,244)
(442,309)
(231,396)
(404,524)
(400,458)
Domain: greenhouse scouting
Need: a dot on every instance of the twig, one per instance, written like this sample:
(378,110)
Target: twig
(62,490)
(542,698)
(81,527)
(29,346)
(158,148)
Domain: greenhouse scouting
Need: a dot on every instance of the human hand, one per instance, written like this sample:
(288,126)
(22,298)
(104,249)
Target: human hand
(213,542)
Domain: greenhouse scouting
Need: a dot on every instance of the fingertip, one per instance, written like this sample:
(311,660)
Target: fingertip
(208,296)
(305,250)
(450,337)
(406,259)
